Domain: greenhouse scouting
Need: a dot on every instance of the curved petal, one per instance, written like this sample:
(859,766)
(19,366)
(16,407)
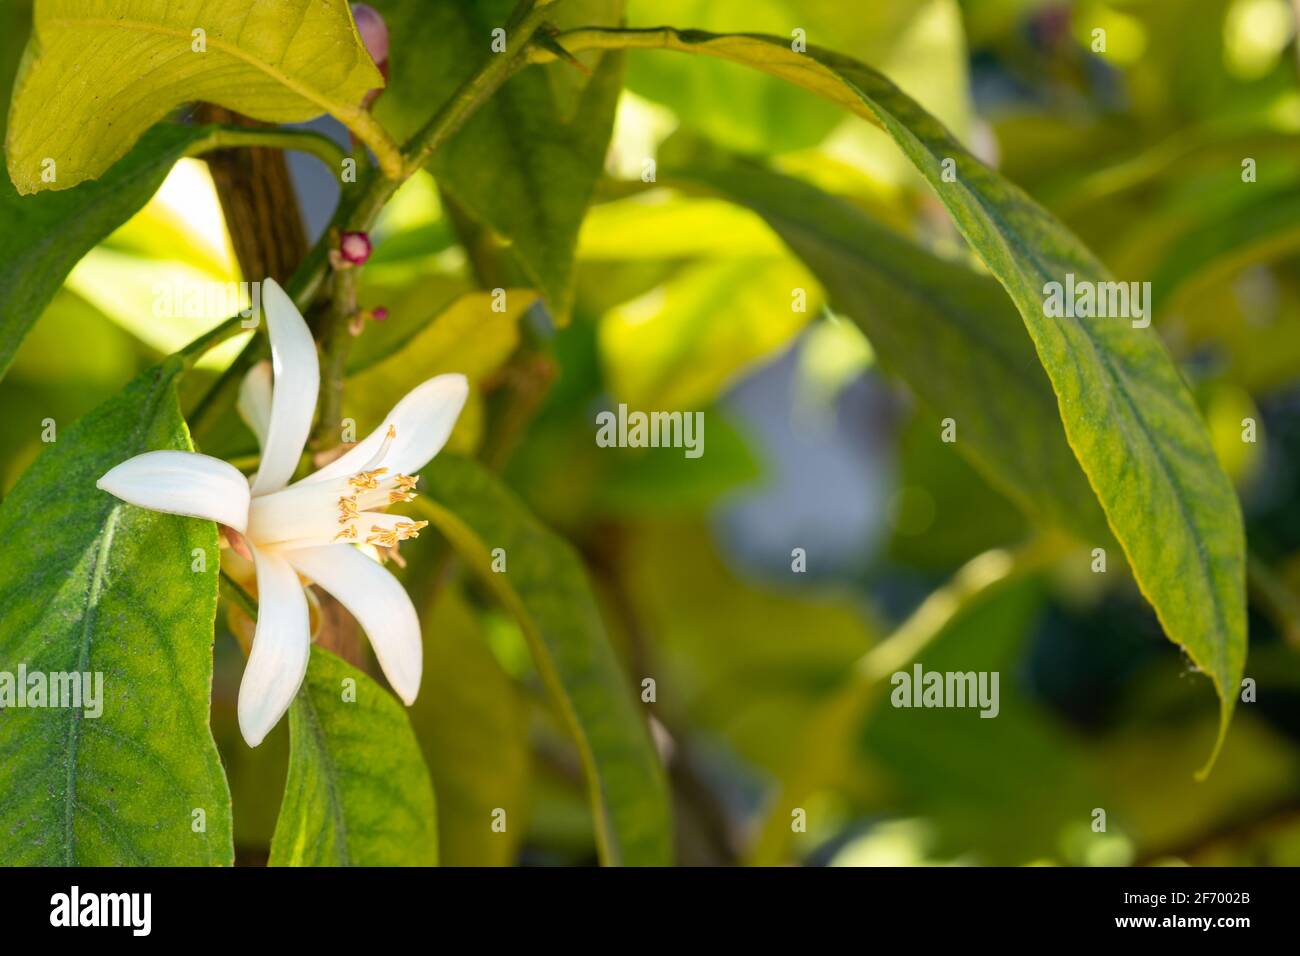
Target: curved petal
(293,398)
(254,403)
(182,483)
(422,422)
(281,648)
(378,602)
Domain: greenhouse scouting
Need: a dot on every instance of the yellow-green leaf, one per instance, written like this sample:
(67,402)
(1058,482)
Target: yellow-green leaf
(98,73)
(1128,415)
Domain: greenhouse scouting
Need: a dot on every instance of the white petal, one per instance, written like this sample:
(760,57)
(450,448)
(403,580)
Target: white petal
(182,483)
(254,404)
(293,399)
(281,647)
(423,421)
(378,602)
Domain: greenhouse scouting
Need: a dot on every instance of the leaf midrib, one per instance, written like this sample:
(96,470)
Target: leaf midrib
(93,593)
(326,104)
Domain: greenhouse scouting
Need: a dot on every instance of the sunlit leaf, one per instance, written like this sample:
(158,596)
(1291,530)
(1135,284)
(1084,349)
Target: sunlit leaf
(98,75)
(469,336)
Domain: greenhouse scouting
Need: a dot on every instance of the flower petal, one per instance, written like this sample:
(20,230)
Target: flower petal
(281,648)
(254,403)
(293,398)
(378,602)
(422,420)
(182,483)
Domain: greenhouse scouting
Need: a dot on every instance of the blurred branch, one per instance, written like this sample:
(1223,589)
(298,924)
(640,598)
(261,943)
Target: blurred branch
(1239,828)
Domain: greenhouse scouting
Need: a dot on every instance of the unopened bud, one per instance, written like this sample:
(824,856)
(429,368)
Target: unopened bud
(354,248)
(373,30)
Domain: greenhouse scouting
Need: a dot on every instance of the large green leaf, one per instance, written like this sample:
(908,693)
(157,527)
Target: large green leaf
(950,332)
(545,587)
(358,792)
(90,584)
(99,73)
(45,236)
(1128,414)
(527,162)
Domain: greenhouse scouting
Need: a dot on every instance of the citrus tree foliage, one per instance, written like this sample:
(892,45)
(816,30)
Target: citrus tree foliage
(566,244)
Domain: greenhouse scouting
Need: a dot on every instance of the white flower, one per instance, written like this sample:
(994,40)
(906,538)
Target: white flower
(308,528)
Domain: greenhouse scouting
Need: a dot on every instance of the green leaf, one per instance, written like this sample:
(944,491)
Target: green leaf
(683,343)
(358,792)
(1128,414)
(545,588)
(920,44)
(526,164)
(468,336)
(15,25)
(1220,241)
(950,332)
(90,584)
(45,236)
(472,722)
(96,76)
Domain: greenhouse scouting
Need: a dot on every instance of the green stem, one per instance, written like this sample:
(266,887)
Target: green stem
(235,593)
(380,185)
(300,140)
(840,719)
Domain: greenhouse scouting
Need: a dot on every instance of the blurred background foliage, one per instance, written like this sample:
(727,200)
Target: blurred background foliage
(764,695)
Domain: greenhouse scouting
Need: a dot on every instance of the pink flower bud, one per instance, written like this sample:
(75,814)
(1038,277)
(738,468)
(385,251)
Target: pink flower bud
(373,30)
(354,247)
(379,313)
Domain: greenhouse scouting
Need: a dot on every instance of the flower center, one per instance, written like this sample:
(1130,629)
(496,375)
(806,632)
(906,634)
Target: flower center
(346,509)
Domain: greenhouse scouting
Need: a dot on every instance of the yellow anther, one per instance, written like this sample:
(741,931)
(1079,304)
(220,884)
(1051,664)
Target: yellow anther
(406,482)
(382,537)
(349,533)
(410,529)
(367,480)
(347,509)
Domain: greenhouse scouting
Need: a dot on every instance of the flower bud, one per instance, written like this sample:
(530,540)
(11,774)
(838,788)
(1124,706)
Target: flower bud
(354,248)
(373,30)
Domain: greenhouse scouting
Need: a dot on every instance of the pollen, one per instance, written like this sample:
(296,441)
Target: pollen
(348,509)
(410,529)
(382,537)
(367,480)
(347,534)
(406,482)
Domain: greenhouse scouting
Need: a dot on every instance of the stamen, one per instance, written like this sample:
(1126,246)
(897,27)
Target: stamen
(397,497)
(406,482)
(367,480)
(409,529)
(349,533)
(382,537)
(348,509)
(386,444)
